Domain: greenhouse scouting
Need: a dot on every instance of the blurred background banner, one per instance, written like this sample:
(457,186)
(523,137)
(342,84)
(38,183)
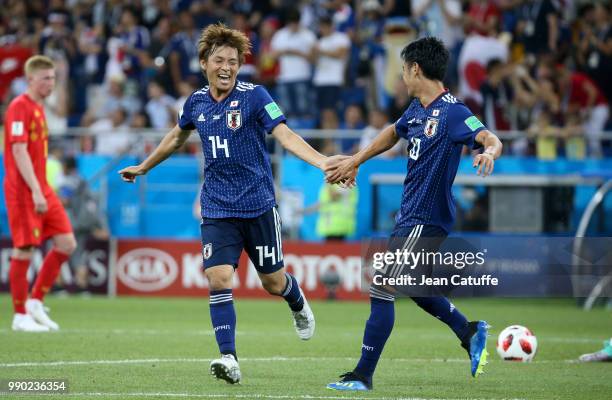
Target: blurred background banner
(95,257)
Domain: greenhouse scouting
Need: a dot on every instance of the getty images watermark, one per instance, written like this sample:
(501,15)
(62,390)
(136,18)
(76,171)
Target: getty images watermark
(399,268)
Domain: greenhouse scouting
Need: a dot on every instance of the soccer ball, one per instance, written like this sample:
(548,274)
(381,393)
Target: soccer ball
(517,343)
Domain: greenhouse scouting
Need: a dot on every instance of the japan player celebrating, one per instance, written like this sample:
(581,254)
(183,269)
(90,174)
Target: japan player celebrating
(437,126)
(35,213)
(238,206)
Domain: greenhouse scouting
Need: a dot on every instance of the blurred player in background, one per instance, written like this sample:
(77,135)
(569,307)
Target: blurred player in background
(35,213)
(436,126)
(604,354)
(238,206)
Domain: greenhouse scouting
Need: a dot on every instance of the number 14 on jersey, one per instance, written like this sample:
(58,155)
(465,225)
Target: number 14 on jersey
(217,144)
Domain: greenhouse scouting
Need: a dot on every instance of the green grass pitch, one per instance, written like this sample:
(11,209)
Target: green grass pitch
(137,348)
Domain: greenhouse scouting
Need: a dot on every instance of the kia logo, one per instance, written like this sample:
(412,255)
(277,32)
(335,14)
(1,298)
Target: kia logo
(147,269)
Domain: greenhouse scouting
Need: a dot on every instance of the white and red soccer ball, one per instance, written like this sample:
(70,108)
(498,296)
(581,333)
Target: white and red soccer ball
(517,343)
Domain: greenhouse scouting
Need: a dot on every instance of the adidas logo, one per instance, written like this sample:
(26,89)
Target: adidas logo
(201,118)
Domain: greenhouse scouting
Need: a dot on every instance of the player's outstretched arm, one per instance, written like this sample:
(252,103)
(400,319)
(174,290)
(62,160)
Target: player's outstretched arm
(346,170)
(493,149)
(294,143)
(169,144)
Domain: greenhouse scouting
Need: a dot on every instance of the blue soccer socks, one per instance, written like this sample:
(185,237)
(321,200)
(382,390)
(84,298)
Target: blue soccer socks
(223,317)
(377,331)
(441,308)
(292,293)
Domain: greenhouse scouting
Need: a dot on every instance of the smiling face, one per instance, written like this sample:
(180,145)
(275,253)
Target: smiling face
(221,69)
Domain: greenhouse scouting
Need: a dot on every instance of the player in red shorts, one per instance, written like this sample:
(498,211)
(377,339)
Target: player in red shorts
(35,213)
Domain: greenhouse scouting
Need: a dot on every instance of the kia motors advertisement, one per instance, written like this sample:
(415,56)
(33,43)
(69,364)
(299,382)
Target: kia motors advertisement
(174,268)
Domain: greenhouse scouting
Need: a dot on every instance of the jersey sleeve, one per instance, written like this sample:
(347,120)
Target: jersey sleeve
(185,121)
(268,112)
(17,123)
(401,126)
(463,126)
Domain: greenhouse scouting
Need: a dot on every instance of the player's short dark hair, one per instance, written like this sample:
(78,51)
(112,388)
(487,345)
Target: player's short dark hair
(431,56)
(218,35)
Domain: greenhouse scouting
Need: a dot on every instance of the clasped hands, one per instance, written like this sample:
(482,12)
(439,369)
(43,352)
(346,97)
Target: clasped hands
(340,169)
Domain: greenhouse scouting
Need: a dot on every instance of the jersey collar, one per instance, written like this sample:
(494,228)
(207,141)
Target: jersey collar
(438,97)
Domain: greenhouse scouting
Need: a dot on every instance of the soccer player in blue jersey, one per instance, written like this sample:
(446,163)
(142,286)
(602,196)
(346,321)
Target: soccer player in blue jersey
(238,206)
(436,126)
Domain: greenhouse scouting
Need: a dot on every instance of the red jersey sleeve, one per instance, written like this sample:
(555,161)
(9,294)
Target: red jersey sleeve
(17,123)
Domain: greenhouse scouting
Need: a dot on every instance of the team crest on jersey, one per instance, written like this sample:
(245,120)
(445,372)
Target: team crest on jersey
(431,126)
(233,119)
(207,251)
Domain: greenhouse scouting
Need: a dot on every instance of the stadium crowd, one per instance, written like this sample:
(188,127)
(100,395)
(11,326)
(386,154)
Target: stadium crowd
(537,66)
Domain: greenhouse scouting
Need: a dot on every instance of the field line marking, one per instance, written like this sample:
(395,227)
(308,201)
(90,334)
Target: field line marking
(246,359)
(209,332)
(250,396)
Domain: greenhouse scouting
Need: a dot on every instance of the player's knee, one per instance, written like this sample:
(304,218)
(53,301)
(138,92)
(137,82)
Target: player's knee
(67,246)
(219,278)
(23,253)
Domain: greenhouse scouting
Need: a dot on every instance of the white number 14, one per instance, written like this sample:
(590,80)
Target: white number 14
(217,144)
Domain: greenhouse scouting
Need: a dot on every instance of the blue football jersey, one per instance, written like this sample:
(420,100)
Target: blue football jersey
(237,173)
(436,135)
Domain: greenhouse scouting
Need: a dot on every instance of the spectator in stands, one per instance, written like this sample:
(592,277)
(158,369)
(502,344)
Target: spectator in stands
(56,105)
(87,222)
(267,64)
(108,99)
(156,58)
(443,19)
(378,120)
(292,46)
(56,40)
(594,53)
(112,134)
(353,120)
(90,42)
(343,16)
(483,18)
(140,121)
(185,89)
(584,96)
(329,55)
(538,26)
(497,96)
(160,107)
(183,53)
(546,136)
(248,70)
(396,9)
(367,58)
(127,47)
(573,134)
